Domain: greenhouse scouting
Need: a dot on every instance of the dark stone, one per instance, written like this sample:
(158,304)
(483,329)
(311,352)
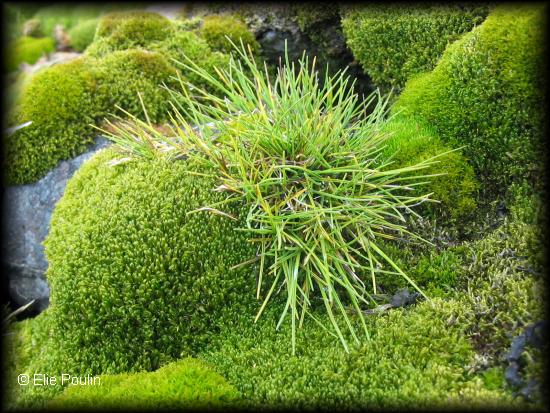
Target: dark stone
(532,336)
(26,217)
(403,298)
(512,374)
(535,334)
(530,390)
(517,348)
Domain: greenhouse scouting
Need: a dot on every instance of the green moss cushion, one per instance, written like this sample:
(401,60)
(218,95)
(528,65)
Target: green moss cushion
(28,50)
(65,101)
(136,279)
(185,384)
(216,29)
(187,45)
(411,141)
(82,35)
(129,29)
(125,76)
(486,93)
(394,42)
(415,358)
(132,52)
(60,103)
(27,350)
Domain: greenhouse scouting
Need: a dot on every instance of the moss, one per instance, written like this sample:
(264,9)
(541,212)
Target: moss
(128,30)
(416,357)
(486,93)
(411,141)
(135,280)
(82,35)
(60,103)
(28,50)
(499,277)
(94,87)
(493,378)
(508,262)
(124,74)
(215,28)
(185,45)
(27,352)
(187,383)
(394,42)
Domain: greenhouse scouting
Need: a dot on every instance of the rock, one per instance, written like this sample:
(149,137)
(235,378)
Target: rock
(26,218)
(512,374)
(403,298)
(533,336)
(517,348)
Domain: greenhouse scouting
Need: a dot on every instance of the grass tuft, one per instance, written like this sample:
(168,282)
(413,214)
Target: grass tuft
(305,157)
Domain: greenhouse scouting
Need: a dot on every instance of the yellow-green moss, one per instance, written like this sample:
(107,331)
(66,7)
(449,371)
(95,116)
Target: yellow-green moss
(28,50)
(215,28)
(83,34)
(411,141)
(135,280)
(188,45)
(487,94)
(124,74)
(63,101)
(185,384)
(393,42)
(129,29)
(60,103)
(415,358)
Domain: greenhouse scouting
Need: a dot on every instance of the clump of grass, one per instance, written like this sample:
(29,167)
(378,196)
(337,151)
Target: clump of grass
(306,158)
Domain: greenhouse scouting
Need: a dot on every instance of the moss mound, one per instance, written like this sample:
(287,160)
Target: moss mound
(28,50)
(215,28)
(129,29)
(187,383)
(188,45)
(394,42)
(135,280)
(27,352)
(410,142)
(82,35)
(66,99)
(60,103)
(126,73)
(487,93)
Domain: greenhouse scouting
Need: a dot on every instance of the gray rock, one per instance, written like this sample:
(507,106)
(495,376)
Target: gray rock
(27,210)
(404,298)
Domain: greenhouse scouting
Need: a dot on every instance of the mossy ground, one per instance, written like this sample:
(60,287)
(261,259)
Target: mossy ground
(119,240)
